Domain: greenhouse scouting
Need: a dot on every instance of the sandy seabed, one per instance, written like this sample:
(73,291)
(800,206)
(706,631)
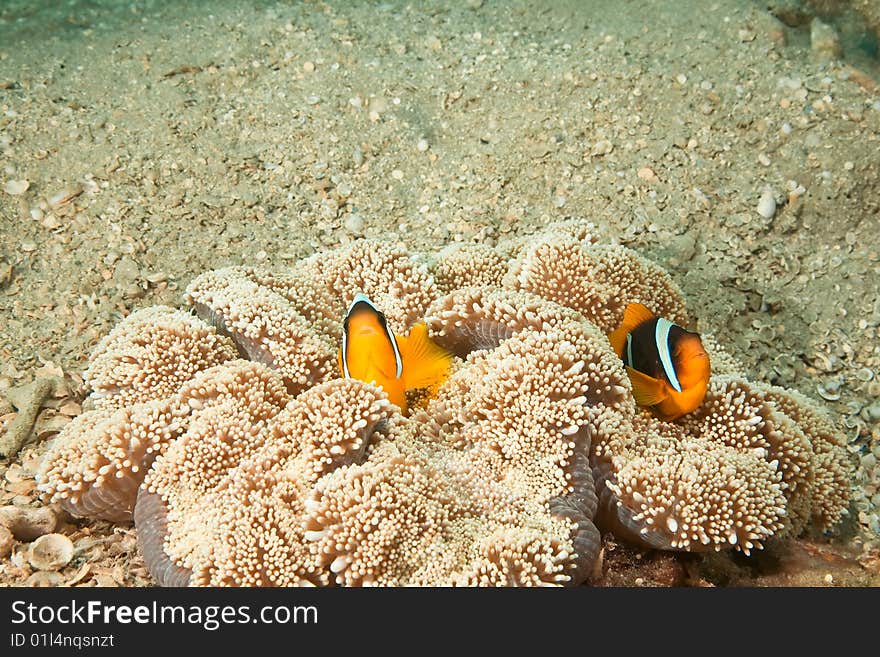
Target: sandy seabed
(144,143)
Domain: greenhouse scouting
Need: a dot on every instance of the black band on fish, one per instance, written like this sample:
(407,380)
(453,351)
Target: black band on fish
(345,371)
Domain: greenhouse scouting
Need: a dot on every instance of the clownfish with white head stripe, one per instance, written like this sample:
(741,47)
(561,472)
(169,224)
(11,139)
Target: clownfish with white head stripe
(667,365)
(372,353)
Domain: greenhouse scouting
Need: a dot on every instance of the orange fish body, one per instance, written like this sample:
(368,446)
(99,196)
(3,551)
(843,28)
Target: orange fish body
(371,352)
(667,365)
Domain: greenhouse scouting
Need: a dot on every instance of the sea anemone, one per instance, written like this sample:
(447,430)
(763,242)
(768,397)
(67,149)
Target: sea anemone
(269,469)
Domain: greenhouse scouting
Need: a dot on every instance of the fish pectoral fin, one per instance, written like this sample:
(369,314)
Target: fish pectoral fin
(635,314)
(647,390)
(425,364)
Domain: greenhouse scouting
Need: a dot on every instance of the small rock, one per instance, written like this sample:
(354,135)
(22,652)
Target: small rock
(6,541)
(771,28)
(701,198)
(64,196)
(5,274)
(126,271)
(647,174)
(16,187)
(70,409)
(824,39)
(378,104)
(43,578)
(50,222)
(767,204)
(871,413)
(308,67)
(791,12)
(354,224)
(158,277)
(422,145)
(27,524)
(25,487)
(682,248)
(249,198)
(602,147)
(133,291)
(51,552)
(862,79)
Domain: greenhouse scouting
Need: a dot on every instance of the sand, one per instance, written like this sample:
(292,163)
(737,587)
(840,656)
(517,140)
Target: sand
(143,144)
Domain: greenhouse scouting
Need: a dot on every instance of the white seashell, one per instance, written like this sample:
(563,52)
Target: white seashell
(767,204)
(16,187)
(50,552)
(828,392)
(865,374)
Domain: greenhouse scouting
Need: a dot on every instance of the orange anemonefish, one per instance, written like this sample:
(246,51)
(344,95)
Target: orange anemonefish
(371,352)
(667,365)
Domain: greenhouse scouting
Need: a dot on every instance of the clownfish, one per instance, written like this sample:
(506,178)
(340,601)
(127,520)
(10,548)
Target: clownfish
(371,352)
(667,365)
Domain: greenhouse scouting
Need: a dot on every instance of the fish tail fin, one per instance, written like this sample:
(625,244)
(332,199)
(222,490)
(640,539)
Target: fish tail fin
(634,315)
(425,364)
(647,390)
